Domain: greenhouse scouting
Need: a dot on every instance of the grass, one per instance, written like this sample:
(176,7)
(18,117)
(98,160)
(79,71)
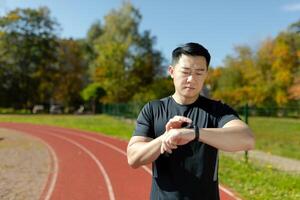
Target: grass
(278,136)
(255,182)
(251,181)
(109,125)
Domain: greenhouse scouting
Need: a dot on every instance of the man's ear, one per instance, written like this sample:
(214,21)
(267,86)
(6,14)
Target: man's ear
(171,71)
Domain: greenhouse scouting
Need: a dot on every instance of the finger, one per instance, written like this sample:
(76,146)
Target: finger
(182,119)
(167,147)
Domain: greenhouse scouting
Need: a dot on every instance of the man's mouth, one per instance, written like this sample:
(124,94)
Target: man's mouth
(189,87)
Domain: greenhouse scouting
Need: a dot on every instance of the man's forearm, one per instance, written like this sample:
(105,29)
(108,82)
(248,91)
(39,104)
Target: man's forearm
(228,139)
(142,153)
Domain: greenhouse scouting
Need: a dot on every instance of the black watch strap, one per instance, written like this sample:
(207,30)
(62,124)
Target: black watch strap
(197,133)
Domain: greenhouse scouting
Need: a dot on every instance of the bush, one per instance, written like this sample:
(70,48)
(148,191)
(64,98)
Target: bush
(14,111)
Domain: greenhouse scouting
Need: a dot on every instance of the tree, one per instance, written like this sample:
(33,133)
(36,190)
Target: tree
(70,75)
(28,56)
(126,61)
(92,93)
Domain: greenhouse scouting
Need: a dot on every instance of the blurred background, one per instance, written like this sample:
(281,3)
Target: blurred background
(77,59)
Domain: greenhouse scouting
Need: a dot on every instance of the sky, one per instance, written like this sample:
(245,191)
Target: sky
(219,25)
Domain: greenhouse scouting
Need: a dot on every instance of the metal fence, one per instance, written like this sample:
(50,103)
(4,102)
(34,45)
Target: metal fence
(131,110)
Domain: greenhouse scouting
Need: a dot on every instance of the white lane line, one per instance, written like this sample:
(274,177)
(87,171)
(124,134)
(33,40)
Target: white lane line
(100,166)
(228,192)
(54,166)
(124,153)
(97,140)
(54,173)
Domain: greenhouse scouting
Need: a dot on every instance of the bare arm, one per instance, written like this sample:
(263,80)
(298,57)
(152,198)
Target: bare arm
(144,150)
(234,136)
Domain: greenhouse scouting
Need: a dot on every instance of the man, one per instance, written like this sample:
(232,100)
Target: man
(181,134)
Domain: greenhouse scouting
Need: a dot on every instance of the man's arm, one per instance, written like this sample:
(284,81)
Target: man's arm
(144,150)
(234,136)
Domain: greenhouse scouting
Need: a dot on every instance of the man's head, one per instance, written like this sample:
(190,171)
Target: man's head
(190,49)
(189,70)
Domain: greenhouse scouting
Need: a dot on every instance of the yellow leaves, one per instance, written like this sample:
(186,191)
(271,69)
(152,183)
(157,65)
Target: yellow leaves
(13,16)
(298,54)
(281,50)
(283,78)
(281,97)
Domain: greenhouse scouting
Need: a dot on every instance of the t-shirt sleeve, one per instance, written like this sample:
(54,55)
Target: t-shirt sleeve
(144,122)
(225,114)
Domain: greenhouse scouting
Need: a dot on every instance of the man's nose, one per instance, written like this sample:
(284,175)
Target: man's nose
(190,78)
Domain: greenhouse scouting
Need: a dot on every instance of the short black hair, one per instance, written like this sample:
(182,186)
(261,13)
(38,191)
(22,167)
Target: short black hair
(190,49)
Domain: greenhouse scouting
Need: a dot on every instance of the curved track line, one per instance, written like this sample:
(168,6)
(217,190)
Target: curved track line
(100,166)
(228,192)
(53,174)
(147,169)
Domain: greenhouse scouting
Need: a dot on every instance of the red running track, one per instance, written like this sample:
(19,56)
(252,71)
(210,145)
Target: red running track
(90,166)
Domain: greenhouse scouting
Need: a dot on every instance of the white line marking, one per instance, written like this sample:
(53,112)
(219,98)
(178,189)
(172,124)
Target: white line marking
(124,153)
(55,169)
(100,166)
(54,173)
(228,192)
(97,140)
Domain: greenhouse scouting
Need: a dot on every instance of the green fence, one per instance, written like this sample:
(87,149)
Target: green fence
(131,110)
(128,110)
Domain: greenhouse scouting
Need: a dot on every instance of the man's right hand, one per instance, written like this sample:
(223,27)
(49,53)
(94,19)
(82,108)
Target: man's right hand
(174,123)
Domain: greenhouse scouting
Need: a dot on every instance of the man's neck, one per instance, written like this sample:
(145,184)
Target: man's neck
(184,100)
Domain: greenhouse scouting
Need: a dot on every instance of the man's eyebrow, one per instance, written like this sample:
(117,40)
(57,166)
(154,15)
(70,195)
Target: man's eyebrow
(200,69)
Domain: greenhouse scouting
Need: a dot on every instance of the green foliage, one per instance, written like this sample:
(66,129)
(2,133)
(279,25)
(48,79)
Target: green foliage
(161,87)
(70,74)
(14,111)
(92,91)
(28,49)
(126,62)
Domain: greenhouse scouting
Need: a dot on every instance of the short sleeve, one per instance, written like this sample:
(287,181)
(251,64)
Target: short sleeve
(225,114)
(144,122)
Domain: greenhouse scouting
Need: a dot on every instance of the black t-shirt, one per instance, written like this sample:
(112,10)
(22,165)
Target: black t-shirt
(190,172)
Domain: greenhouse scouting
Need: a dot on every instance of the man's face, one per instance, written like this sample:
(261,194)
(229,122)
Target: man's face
(189,75)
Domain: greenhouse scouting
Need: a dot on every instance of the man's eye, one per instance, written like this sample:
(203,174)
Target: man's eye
(184,72)
(199,74)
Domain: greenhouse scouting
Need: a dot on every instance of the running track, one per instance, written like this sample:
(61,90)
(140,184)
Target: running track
(90,166)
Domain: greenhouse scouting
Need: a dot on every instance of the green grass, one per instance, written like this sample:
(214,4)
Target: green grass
(255,182)
(98,123)
(278,136)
